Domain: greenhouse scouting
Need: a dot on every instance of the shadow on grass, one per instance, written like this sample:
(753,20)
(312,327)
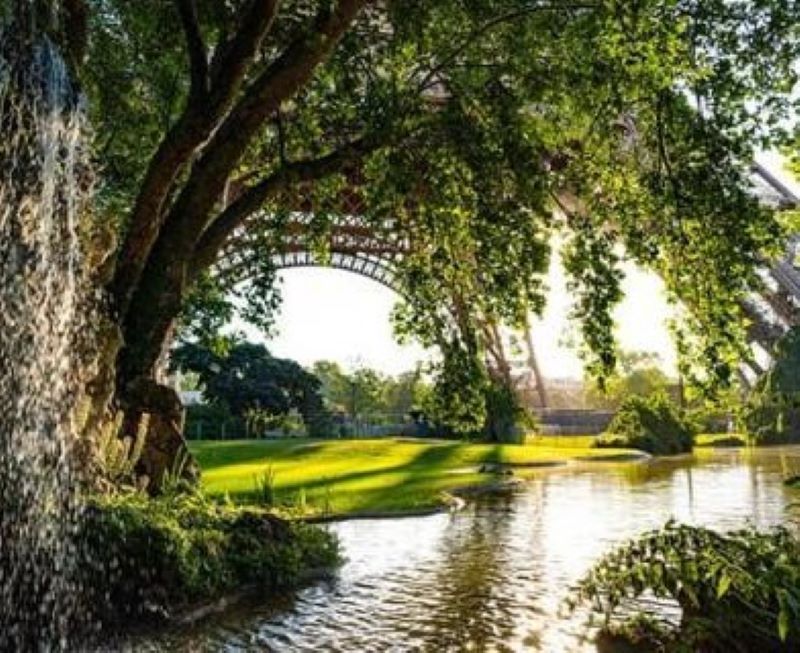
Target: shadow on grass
(223,453)
(415,481)
(416,484)
(431,459)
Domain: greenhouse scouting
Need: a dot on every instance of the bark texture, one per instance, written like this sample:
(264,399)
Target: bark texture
(178,223)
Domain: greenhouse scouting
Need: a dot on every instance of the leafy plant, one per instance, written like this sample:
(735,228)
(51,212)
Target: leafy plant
(174,480)
(116,457)
(144,557)
(651,424)
(737,592)
(265,486)
(300,501)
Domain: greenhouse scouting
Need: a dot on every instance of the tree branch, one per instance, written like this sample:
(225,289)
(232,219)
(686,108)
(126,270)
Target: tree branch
(233,59)
(197,121)
(198,59)
(487,27)
(281,80)
(254,197)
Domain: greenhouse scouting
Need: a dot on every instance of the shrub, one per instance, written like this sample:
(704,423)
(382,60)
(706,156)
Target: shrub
(709,419)
(651,424)
(737,592)
(772,413)
(148,558)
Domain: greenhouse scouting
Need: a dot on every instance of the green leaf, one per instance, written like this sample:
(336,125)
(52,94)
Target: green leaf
(783,624)
(723,585)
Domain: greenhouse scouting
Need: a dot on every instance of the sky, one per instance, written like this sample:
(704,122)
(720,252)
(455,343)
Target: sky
(337,315)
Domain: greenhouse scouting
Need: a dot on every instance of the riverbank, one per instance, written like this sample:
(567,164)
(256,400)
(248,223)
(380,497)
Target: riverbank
(499,575)
(176,558)
(324,478)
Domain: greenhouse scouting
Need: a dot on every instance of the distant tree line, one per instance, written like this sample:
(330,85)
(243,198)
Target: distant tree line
(247,392)
(368,392)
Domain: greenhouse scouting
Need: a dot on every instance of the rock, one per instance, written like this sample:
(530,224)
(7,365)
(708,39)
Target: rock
(495,468)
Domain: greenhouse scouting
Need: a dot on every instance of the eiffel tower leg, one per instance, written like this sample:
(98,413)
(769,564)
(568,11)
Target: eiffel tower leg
(533,363)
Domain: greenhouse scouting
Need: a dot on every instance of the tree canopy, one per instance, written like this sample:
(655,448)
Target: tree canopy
(247,378)
(639,374)
(473,132)
(368,392)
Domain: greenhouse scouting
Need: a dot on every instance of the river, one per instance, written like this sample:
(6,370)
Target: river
(494,576)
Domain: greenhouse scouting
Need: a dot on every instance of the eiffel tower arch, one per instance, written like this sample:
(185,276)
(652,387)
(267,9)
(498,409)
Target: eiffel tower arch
(350,243)
(776,308)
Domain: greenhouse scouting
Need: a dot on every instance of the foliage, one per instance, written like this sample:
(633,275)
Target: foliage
(458,403)
(117,457)
(464,125)
(717,413)
(737,592)
(148,558)
(206,311)
(265,486)
(365,391)
(638,373)
(212,421)
(651,424)
(507,420)
(772,413)
(251,383)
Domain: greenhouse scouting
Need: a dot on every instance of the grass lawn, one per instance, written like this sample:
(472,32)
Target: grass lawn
(352,476)
(720,439)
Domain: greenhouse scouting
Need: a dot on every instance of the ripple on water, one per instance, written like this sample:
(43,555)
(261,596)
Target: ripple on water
(494,576)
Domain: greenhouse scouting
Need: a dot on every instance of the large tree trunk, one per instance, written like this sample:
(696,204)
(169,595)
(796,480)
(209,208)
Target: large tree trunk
(151,408)
(170,226)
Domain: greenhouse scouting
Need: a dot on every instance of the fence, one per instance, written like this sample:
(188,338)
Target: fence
(205,423)
(564,421)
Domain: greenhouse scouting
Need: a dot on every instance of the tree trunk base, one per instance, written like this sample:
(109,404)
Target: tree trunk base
(155,411)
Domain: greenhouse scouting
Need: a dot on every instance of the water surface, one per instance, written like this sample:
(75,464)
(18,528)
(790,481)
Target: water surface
(494,576)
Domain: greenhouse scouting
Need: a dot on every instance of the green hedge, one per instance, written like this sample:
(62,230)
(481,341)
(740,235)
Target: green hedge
(651,424)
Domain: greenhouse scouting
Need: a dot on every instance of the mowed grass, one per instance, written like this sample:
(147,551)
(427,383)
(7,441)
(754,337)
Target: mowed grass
(724,439)
(377,475)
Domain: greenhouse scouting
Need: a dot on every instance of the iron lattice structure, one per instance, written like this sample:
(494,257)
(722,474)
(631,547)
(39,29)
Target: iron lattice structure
(345,240)
(777,308)
(348,242)
(349,245)
(342,238)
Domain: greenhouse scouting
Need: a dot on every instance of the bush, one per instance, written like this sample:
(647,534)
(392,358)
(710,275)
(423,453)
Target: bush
(148,558)
(772,414)
(709,420)
(507,420)
(651,424)
(737,592)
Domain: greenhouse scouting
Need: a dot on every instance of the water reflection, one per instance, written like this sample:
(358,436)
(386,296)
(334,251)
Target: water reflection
(494,577)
